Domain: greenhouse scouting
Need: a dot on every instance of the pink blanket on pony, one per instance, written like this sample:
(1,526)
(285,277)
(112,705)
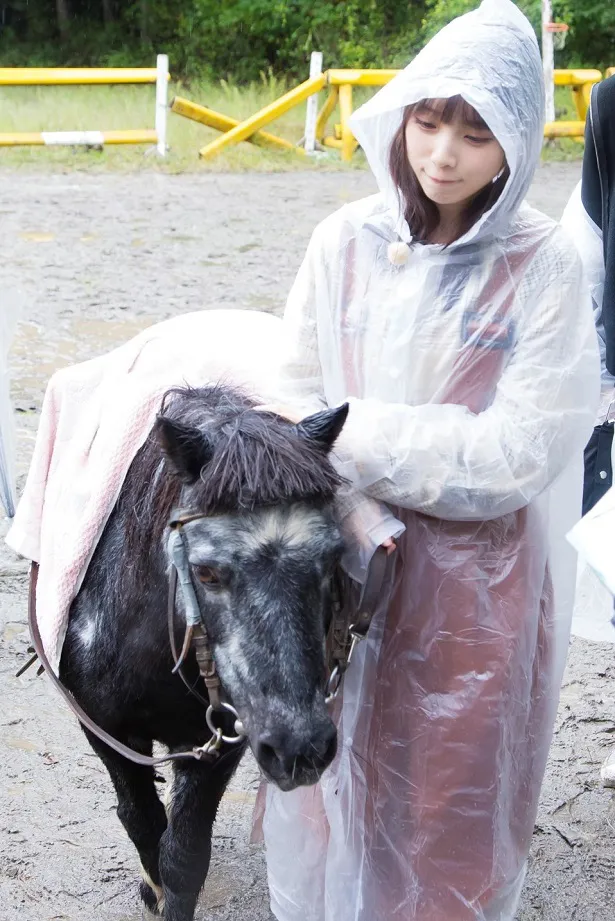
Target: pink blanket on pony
(97,415)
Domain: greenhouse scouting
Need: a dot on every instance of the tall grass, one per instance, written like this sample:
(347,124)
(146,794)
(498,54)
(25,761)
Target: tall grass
(101,108)
(121,107)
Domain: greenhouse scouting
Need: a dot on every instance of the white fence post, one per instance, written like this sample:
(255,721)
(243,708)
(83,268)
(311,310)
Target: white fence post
(311,113)
(162,78)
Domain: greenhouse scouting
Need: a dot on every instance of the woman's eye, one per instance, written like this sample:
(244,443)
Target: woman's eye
(207,576)
(476,140)
(424,124)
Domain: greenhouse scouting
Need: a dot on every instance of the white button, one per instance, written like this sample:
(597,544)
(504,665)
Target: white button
(603,474)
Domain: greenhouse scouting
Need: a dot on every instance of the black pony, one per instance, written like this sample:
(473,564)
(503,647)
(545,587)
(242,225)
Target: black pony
(261,560)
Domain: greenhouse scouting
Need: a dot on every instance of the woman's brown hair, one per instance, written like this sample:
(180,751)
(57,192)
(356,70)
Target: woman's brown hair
(421,213)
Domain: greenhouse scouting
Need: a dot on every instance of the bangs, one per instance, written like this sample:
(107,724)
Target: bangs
(452,109)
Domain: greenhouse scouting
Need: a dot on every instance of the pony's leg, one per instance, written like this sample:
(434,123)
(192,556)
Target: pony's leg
(185,848)
(139,810)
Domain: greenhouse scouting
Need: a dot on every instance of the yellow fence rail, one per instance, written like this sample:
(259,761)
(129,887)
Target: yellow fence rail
(220,122)
(269,113)
(92,76)
(76,138)
(340,84)
(73,76)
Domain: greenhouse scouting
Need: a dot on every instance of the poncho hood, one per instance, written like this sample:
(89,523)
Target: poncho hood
(490,57)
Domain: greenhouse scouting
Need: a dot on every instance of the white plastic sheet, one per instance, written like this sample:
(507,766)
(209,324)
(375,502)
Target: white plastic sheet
(472,374)
(594,539)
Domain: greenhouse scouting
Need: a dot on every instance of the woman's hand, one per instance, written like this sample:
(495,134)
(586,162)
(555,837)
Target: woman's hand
(389,545)
(291,414)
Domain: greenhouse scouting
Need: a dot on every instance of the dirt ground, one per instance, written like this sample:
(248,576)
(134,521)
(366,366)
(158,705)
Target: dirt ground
(97,258)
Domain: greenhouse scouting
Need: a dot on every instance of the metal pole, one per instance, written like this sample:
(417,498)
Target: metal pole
(311,112)
(548,61)
(162,77)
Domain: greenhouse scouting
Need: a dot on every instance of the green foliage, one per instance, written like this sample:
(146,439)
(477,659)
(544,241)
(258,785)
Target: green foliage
(591,41)
(439,12)
(210,38)
(242,39)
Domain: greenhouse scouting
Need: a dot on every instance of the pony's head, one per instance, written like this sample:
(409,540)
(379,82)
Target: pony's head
(261,559)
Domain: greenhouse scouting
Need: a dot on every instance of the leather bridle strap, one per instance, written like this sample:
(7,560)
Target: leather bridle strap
(195,754)
(371,596)
(379,569)
(195,634)
(350,626)
(178,658)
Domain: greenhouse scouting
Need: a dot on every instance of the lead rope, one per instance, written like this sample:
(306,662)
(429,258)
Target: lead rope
(210,751)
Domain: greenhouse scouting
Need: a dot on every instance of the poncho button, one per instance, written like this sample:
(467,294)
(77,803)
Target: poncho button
(398,253)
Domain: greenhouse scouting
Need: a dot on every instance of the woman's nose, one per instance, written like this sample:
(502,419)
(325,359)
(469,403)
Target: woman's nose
(443,153)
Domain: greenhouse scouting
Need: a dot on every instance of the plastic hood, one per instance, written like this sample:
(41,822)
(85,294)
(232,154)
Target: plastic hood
(490,57)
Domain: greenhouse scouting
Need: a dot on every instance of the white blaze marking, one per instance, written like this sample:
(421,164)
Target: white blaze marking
(293,528)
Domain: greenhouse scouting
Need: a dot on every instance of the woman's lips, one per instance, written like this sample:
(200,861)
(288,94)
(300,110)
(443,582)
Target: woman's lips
(442,181)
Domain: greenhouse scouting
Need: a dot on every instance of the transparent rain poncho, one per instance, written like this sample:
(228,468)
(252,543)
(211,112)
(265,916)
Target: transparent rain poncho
(472,375)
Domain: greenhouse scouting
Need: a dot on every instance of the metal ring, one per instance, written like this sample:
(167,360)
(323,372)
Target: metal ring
(210,749)
(238,727)
(333,684)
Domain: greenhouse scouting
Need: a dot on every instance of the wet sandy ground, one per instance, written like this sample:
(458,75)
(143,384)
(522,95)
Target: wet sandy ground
(99,257)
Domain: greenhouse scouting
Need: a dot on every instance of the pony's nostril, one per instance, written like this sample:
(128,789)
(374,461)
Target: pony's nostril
(331,748)
(266,754)
(324,749)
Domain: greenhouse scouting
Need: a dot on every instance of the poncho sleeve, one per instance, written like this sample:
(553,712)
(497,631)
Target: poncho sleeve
(443,459)
(365,522)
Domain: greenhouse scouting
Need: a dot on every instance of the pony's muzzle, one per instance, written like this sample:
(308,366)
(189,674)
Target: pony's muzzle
(292,760)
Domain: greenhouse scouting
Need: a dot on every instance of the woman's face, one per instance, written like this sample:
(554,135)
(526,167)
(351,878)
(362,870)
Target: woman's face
(452,160)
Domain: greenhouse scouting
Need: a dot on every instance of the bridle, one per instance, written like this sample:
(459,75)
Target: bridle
(348,626)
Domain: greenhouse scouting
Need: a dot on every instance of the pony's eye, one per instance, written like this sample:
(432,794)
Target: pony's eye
(206,575)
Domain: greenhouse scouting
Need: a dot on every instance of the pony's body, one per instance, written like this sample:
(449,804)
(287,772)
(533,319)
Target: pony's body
(261,557)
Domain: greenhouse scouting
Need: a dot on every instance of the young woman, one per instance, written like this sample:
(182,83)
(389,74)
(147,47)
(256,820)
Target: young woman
(452,318)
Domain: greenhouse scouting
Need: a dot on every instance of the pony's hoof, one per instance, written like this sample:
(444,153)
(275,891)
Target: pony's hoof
(151,903)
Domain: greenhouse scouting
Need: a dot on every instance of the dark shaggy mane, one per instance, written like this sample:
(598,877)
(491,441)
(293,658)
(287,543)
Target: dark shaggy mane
(256,459)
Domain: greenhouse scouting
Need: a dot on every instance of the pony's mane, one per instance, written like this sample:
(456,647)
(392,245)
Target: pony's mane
(256,459)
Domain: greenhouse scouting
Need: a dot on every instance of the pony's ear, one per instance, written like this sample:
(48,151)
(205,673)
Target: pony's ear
(186,449)
(325,426)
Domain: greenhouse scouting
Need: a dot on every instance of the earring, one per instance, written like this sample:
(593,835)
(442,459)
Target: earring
(498,176)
